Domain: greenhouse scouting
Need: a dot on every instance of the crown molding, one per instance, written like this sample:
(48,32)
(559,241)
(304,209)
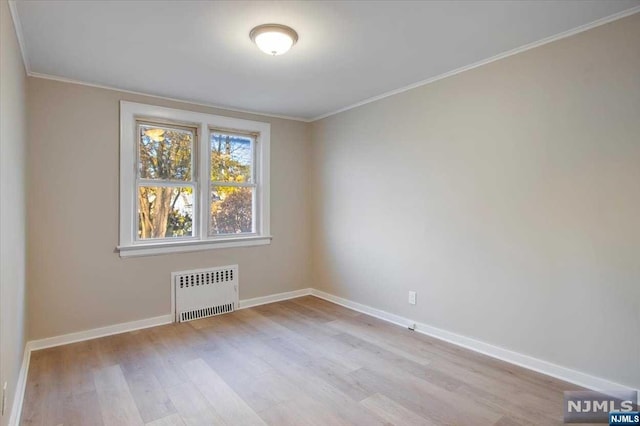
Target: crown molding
(25,59)
(18,27)
(497,57)
(533,45)
(150,95)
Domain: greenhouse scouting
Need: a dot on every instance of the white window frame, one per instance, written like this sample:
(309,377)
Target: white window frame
(130,245)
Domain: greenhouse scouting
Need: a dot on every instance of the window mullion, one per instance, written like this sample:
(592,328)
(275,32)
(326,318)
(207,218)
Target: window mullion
(235,184)
(204,174)
(169,183)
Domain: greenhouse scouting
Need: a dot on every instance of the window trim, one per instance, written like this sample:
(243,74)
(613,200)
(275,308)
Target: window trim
(130,114)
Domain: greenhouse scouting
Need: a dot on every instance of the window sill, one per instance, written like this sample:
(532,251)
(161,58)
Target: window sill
(152,249)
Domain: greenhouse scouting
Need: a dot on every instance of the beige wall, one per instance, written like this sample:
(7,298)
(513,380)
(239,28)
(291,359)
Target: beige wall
(13,140)
(77,281)
(507,196)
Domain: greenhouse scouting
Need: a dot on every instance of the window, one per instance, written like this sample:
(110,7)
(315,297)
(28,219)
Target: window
(233,184)
(165,183)
(191,181)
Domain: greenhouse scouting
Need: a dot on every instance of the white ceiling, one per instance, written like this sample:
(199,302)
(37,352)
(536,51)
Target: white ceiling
(348,51)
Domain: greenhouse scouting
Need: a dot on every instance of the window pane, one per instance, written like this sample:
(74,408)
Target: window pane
(165,212)
(231,157)
(231,210)
(164,152)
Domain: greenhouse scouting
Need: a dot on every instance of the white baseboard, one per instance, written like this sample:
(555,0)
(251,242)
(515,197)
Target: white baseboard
(525,361)
(80,336)
(378,313)
(65,339)
(550,369)
(21,385)
(278,297)
(559,372)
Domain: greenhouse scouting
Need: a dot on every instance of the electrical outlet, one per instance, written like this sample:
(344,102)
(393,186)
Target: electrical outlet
(412,297)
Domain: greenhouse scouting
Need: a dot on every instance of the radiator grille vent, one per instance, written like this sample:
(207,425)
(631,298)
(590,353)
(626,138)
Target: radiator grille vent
(207,312)
(205,292)
(205,278)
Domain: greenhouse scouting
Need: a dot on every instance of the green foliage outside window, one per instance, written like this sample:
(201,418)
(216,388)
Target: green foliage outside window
(231,206)
(166,155)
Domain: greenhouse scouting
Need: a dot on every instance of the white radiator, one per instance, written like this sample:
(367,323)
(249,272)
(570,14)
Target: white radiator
(205,292)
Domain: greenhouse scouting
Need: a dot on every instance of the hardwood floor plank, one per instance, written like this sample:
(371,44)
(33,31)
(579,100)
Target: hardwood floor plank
(310,383)
(320,346)
(515,405)
(149,396)
(331,372)
(295,322)
(393,412)
(303,411)
(370,355)
(328,308)
(164,360)
(304,361)
(193,408)
(373,337)
(264,390)
(229,406)
(172,420)
(82,409)
(255,319)
(305,311)
(116,402)
(436,349)
(78,362)
(507,421)
(230,357)
(428,403)
(43,400)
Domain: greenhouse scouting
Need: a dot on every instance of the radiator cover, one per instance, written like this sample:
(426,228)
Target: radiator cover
(204,293)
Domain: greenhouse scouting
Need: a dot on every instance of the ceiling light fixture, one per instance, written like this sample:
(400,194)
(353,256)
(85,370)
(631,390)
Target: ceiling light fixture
(273,39)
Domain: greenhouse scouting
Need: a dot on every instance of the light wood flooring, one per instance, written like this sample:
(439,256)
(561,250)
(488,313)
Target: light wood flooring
(299,362)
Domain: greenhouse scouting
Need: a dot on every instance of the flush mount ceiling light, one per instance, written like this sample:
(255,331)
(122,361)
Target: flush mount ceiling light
(273,39)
